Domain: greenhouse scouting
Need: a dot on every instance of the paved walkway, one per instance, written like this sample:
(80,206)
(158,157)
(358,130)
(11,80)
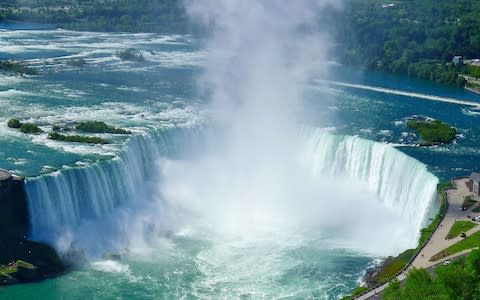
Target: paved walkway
(438,241)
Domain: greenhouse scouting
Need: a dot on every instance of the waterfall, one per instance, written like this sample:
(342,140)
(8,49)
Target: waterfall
(403,183)
(63,200)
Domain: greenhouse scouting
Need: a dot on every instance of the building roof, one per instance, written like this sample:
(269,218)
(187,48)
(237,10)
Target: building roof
(475,177)
(4,174)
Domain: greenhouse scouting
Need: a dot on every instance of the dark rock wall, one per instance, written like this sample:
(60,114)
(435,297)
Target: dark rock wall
(14,220)
(14,230)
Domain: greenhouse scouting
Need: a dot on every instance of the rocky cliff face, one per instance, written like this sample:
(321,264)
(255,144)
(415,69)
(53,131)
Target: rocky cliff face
(21,260)
(13,209)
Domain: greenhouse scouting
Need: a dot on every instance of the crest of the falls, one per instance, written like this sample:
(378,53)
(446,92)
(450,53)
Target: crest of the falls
(63,202)
(402,183)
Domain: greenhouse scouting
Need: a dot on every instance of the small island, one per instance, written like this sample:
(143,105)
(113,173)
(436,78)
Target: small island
(100,127)
(76,138)
(433,132)
(87,127)
(24,127)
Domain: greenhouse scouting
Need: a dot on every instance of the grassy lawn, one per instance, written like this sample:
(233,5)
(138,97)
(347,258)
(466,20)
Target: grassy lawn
(394,266)
(469,242)
(459,227)
(357,291)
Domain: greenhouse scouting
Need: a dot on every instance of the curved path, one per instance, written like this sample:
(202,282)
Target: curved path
(438,242)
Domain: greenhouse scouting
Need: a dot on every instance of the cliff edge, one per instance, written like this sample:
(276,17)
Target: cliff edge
(21,260)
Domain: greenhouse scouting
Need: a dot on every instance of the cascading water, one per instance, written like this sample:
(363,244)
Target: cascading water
(63,202)
(400,182)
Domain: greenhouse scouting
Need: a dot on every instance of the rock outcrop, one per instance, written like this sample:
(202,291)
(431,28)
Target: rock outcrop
(21,260)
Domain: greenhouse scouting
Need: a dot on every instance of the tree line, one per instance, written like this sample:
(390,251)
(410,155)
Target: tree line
(414,38)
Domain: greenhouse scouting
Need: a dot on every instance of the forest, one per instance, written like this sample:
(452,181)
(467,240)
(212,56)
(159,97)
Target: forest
(414,38)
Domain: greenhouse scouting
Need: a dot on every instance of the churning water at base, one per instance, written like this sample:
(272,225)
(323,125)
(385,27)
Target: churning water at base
(345,188)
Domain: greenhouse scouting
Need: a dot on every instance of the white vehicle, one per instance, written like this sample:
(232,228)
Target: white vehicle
(477,218)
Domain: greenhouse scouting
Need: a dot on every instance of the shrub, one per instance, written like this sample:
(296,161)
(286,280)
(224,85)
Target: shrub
(100,127)
(30,128)
(433,132)
(14,123)
(76,138)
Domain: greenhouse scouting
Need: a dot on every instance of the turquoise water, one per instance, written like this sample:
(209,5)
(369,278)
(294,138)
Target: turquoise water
(198,262)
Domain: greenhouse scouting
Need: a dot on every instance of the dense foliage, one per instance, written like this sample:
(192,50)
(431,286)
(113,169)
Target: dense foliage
(459,280)
(76,138)
(416,38)
(99,15)
(14,123)
(30,128)
(24,127)
(100,127)
(434,132)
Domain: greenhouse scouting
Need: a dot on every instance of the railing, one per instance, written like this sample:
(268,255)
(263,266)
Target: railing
(412,259)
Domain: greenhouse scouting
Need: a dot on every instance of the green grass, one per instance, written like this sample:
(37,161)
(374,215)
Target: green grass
(100,127)
(396,265)
(6,271)
(357,291)
(442,186)
(24,264)
(469,242)
(459,227)
(434,132)
(76,138)
(426,232)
